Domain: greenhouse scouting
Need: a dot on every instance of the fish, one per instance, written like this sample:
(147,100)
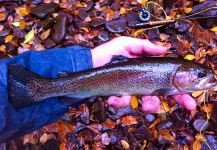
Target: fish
(122,76)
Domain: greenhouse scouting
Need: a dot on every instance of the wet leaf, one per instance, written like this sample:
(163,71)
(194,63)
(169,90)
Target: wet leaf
(45,34)
(94,127)
(45,137)
(16,24)
(125,144)
(109,123)
(21,11)
(128,120)
(105,139)
(214,29)
(166,106)
(9,38)
(29,36)
(22,24)
(169,137)
(196,145)
(85,29)
(189,57)
(197,93)
(134,102)
(187,10)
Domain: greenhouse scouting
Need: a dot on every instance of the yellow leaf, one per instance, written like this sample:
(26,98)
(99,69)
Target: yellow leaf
(85,29)
(29,36)
(22,24)
(9,38)
(197,93)
(16,24)
(122,10)
(202,1)
(178,38)
(188,10)
(166,106)
(21,11)
(134,102)
(214,29)
(189,57)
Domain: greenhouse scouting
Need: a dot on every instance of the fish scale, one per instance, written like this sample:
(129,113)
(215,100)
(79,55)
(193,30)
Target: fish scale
(129,76)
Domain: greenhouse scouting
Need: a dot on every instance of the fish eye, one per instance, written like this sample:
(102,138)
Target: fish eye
(201,74)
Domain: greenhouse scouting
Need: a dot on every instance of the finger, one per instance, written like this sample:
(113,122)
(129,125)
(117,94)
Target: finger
(185,100)
(150,103)
(119,102)
(141,47)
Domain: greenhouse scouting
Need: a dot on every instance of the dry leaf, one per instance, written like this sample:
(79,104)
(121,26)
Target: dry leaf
(1,27)
(166,106)
(29,36)
(197,93)
(45,34)
(16,24)
(3,48)
(105,139)
(2,16)
(122,10)
(169,137)
(134,102)
(85,29)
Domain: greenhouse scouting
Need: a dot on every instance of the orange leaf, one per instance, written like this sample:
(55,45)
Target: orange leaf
(128,120)
(154,123)
(188,10)
(207,109)
(166,106)
(134,102)
(196,145)
(169,137)
(9,38)
(62,146)
(186,147)
(2,16)
(110,124)
(45,137)
(22,11)
(85,29)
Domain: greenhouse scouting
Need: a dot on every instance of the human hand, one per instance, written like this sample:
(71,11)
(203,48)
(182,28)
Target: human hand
(132,48)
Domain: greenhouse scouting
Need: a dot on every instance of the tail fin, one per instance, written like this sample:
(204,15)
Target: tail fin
(18,89)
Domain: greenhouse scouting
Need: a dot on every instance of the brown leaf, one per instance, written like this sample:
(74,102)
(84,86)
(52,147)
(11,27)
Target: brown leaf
(125,144)
(95,128)
(9,38)
(45,34)
(45,137)
(169,137)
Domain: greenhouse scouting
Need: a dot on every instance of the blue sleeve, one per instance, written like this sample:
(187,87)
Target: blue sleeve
(16,123)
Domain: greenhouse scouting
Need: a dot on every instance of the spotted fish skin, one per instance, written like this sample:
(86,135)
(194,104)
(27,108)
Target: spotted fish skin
(135,76)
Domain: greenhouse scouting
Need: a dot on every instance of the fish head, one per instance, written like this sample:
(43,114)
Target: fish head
(194,77)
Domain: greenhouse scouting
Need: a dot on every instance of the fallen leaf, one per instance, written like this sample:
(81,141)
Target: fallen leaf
(22,24)
(134,102)
(109,123)
(1,27)
(166,106)
(9,38)
(125,144)
(16,24)
(45,137)
(169,137)
(129,120)
(29,36)
(105,139)
(95,127)
(196,145)
(21,11)
(45,34)
(197,93)
(3,48)
(214,29)
(85,29)
(122,10)
(189,57)
(187,10)
(2,16)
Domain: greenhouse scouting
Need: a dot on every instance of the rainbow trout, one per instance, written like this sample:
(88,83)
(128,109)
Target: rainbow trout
(127,76)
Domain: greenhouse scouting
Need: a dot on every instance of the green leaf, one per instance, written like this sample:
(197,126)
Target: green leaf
(16,23)
(29,36)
